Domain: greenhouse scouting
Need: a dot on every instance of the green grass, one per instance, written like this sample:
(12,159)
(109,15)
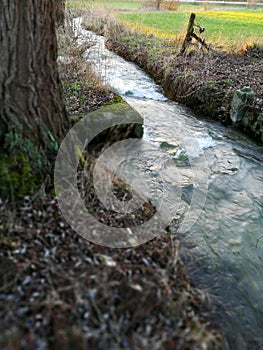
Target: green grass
(228,28)
(161,24)
(234,29)
(119,5)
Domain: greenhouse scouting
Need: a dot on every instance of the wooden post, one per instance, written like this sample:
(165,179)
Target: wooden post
(189,33)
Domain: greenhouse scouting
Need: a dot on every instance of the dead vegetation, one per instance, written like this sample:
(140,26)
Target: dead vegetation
(60,291)
(83,89)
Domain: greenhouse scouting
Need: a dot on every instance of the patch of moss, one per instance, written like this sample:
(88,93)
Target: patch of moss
(75,118)
(116,107)
(16,175)
(22,166)
(117,98)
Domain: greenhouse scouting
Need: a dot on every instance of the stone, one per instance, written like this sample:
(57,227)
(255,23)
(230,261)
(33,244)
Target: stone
(242,99)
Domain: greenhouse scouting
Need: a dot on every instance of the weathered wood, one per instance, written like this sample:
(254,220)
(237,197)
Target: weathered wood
(191,35)
(201,41)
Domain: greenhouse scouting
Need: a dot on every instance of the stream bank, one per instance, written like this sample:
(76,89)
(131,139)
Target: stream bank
(204,81)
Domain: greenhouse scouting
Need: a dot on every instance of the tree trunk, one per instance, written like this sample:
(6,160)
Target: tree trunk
(31,102)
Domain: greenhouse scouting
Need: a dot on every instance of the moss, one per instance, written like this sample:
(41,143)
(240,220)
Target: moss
(130,126)
(117,98)
(114,107)
(22,166)
(16,176)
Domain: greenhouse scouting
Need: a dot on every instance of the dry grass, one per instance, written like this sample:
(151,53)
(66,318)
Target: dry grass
(83,88)
(72,54)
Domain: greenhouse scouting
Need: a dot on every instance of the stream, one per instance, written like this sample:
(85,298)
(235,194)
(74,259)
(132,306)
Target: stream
(223,246)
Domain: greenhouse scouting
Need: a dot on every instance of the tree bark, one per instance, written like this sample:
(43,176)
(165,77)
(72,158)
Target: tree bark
(31,101)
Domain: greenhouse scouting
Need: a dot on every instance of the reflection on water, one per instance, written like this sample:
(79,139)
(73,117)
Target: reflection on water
(223,248)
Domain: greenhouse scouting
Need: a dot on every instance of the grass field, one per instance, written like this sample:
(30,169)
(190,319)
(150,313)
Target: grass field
(227,28)
(150,4)
(230,29)
(116,5)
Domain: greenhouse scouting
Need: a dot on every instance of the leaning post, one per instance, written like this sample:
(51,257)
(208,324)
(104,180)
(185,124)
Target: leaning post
(189,33)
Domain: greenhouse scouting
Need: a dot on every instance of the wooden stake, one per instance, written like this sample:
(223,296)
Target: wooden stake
(190,35)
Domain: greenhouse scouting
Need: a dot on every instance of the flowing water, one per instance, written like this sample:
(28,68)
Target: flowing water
(221,230)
